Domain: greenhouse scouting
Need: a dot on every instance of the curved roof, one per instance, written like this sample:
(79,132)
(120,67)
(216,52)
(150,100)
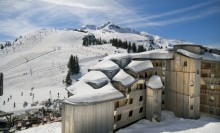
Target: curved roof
(210,56)
(139,66)
(189,54)
(94,77)
(154,82)
(154,54)
(105,65)
(124,78)
(85,94)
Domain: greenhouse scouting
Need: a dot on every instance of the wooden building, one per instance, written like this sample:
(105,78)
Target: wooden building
(122,89)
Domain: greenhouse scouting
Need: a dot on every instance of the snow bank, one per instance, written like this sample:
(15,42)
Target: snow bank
(189,54)
(84,93)
(139,66)
(124,78)
(172,124)
(155,82)
(48,128)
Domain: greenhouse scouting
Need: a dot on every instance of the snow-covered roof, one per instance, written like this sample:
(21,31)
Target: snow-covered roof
(154,54)
(139,66)
(210,56)
(189,54)
(105,65)
(95,77)
(124,78)
(154,82)
(84,93)
(117,56)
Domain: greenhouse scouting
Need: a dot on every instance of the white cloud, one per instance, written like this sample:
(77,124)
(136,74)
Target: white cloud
(18,16)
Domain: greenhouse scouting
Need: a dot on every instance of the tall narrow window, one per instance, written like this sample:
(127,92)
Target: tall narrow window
(191,107)
(185,63)
(131,101)
(141,98)
(141,110)
(117,117)
(130,113)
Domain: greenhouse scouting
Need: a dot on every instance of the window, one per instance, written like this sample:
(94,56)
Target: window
(141,110)
(191,107)
(116,104)
(117,117)
(131,101)
(155,73)
(130,113)
(212,98)
(156,64)
(141,98)
(197,72)
(163,102)
(129,89)
(191,83)
(185,63)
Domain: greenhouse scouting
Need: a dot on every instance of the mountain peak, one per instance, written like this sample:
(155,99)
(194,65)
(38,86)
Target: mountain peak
(88,27)
(111,27)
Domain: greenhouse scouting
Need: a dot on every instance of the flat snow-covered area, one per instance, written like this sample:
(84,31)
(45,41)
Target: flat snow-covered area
(170,124)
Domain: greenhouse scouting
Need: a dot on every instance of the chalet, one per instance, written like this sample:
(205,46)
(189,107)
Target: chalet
(124,88)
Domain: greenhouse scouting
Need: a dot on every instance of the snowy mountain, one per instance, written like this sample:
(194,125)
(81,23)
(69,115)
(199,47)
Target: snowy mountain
(39,59)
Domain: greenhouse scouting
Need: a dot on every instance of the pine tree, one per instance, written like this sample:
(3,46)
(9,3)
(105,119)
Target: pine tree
(134,49)
(2,47)
(141,48)
(77,65)
(70,64)
(129,47)
(68,79)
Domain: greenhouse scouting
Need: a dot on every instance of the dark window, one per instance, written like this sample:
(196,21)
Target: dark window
(116,104)
(163,92)
(155,73)
(156,64)
(141,110)
(191,107)
(130,113)
(129,89)
(131,101)
(185,63)
(117,117)
(163,102)
(197,72)
(141,98)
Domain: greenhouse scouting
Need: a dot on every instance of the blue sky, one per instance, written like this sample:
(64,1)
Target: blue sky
(197,21)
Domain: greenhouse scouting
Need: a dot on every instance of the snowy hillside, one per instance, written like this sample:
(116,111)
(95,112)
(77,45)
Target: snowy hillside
(39,59)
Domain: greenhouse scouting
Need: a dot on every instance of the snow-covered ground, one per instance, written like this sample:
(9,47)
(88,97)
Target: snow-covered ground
(169,124)
(39,60)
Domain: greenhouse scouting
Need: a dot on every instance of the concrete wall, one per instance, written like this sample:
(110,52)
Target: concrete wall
(94,118)
(153,104)
(182,93)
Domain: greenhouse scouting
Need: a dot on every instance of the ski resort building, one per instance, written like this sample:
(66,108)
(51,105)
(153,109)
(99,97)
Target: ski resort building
(124,88)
